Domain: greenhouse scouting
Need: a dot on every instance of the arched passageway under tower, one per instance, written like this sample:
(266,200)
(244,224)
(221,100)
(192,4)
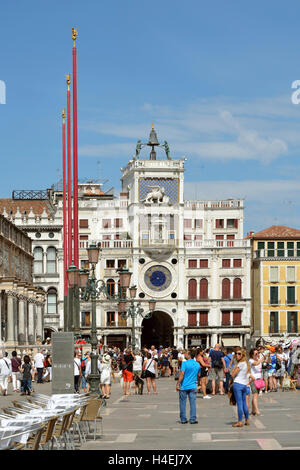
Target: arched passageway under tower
(158,330)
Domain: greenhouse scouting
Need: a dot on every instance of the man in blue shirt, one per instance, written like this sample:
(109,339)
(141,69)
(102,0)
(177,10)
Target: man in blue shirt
(187,386)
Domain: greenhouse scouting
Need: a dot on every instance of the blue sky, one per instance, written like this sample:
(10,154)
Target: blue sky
(215,78)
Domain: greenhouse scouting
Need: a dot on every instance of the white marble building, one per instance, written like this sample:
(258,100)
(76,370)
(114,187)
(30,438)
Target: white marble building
(189,255)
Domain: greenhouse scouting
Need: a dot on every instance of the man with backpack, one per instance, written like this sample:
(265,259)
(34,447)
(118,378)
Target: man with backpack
(218,367)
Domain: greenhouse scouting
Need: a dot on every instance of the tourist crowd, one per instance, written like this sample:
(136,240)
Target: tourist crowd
(234,372)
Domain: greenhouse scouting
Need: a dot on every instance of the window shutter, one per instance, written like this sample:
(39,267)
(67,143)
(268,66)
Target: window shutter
(237,317)
(225,288)
(237,263)
(290,273)
(192,263)
(274,295)
(273,273)
(192,289)
(192,318)
(236,223)
(203,263)
(290,295)
(225,263)
(237,288)
(204,318)
(203,289)
(225,318)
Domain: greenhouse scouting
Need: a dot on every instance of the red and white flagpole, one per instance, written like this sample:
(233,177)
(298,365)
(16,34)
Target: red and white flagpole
(65,221)
(75,153)
(70,231)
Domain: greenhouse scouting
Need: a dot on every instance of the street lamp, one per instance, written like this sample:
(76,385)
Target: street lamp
(134,310)
(91,289)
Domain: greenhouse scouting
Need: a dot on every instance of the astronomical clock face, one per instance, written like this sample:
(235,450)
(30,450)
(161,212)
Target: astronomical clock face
(158,278)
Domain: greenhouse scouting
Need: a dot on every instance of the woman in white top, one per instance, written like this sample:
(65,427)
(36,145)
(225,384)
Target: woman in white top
(150,366)
(241,375)
(256,373)
(105,380)
(5,372)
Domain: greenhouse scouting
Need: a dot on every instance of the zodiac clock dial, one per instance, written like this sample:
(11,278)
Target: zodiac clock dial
(158,278)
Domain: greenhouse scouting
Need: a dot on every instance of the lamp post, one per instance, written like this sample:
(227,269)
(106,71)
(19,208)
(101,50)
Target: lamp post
(134,309)
(91,289)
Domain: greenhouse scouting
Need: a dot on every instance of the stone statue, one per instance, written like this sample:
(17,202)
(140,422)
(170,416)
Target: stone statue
(167,149)
(138,149)
(157,195)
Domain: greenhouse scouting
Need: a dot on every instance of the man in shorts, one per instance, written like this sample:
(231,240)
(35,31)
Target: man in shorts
(174,359)
(218,367)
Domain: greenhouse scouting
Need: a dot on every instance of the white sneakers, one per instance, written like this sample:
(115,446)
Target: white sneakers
(207,397)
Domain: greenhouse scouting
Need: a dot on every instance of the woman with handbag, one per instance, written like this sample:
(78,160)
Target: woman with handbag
(149,372)
(256,375)
(241,375)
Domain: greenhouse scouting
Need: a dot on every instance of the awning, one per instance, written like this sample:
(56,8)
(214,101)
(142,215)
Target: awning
(231,342)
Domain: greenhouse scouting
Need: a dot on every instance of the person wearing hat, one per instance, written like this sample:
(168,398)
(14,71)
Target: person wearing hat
(105,378)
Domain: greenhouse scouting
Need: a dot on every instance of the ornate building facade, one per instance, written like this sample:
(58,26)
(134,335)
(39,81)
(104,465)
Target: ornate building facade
(189,255)
(21,303)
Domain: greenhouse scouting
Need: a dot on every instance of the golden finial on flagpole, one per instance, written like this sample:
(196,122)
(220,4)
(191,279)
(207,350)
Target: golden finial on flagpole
(63,113)
(74,34)
(68,80)
(152,125)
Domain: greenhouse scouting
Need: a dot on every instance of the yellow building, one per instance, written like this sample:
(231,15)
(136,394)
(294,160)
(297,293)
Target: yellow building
(275,282)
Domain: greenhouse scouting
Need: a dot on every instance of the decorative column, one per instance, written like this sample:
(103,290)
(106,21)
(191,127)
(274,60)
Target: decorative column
(11,295)
(39,322)
(31,329)
(21,320)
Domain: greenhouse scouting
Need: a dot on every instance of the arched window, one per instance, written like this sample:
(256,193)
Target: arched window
(52,301)
(192,289)
(38,260)
(110,286)
(203,289)
(237,288)
(226,289)
(51,260)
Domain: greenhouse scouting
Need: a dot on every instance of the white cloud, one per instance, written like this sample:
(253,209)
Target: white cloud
(220,129)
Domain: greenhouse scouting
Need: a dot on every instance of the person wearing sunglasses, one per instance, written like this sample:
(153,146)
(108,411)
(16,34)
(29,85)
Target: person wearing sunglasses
(241,375)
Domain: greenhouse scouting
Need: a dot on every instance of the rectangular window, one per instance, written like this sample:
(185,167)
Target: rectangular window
(85,319)
(261,248)
(219,223)
(106,223)
(192,263)
(84,264)
(110,319)
(225,318)
(280,249)
(225,263)
(219,240)
(291,274)
(52,300)
(106,237)
(118,223)
(110,263)
(237,317)
(188,223)
(237,263)
(290,249)
(198,237)
(274,295)
(273,273)
(121,321)
(292,322)
(187,237)
(290,295)
(198,223)
(192,318)
(298,249)
(203,263)
(274,322)
(121,263)
(204,318)
(271,251)
(83,223)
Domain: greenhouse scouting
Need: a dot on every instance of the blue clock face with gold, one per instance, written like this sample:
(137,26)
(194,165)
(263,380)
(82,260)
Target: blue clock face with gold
(158,278)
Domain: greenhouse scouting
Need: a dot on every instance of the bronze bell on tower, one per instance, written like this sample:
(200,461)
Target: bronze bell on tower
(153,141)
